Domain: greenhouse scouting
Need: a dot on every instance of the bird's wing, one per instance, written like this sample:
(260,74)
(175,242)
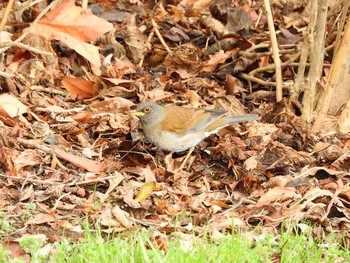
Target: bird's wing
(184,120)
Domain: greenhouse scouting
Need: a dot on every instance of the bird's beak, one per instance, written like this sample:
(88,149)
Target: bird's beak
(136,113)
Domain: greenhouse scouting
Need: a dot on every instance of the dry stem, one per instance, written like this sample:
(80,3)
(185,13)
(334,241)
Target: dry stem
(317,57)
(155,28)
(276,57)
(338,72)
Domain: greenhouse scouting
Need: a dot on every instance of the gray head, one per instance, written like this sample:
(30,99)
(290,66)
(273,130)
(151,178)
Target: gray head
(148,112)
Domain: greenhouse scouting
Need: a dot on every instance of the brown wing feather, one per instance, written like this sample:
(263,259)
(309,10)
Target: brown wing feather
(180,120)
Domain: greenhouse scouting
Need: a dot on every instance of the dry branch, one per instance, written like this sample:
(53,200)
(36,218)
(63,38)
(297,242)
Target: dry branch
(346,4)
(340,68)
(6,14)
(304,54)
(276,57)
(161,39)
(317,57)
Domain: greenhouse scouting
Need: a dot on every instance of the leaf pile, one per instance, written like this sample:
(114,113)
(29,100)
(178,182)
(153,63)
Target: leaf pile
(68,145)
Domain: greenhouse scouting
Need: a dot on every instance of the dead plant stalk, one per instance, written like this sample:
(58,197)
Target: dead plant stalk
(275,51)
(316,63)
(333,89)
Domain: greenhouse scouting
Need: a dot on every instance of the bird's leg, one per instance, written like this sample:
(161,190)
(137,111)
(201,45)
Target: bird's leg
(190,151)
(169,161)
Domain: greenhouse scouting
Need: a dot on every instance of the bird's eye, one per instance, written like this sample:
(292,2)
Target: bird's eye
(147,109)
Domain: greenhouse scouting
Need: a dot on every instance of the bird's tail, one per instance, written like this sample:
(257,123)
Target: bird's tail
(242,118)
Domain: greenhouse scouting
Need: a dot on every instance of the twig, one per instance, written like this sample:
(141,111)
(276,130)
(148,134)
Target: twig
(259,17)
(33,144)
(57,201)
(254,47)
(25,182)
(46,182)
(240,201)
(275,162)
(308,65)
(27,4)
(26,179)
(257,80)
(249,54)
(5,74)
(276,57)
(155,28)
(48,90)
(272,67)
(144,223)
(25,46)
(6,14)
(98,179)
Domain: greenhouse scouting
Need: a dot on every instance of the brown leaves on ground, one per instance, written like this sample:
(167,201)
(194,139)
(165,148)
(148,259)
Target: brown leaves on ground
(75,151)
(73,25)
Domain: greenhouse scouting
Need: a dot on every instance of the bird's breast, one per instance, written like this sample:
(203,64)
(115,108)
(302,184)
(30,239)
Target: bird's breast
(177,143)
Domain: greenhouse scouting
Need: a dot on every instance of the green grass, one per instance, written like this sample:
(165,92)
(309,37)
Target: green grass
(137,247)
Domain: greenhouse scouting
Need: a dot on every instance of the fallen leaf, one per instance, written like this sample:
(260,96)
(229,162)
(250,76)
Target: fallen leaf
(11,105)
(121,216)
(80,88)
(145,191)
(277,194)
(73,25)
(40,219)
(81,162)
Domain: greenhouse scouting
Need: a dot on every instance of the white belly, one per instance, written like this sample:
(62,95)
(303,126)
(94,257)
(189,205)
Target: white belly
(177,143)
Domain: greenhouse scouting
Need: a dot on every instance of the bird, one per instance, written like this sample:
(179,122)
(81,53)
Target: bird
(177,129)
